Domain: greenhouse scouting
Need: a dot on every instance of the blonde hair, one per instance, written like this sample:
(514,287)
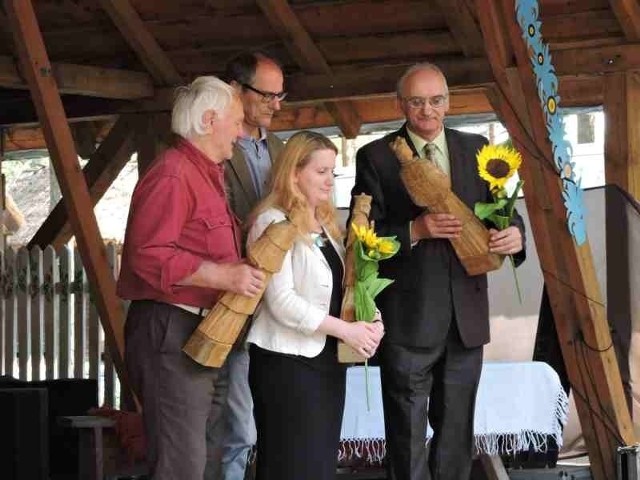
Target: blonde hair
(286,196)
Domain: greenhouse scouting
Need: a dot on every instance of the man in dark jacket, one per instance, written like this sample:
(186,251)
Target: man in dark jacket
(436,316)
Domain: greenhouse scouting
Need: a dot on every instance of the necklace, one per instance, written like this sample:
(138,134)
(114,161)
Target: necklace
(319,239)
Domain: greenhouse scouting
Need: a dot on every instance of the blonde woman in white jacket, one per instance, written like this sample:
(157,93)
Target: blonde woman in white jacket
(297,384)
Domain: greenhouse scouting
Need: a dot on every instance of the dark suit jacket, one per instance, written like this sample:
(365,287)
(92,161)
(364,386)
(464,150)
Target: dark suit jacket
(241,192)
(431,286)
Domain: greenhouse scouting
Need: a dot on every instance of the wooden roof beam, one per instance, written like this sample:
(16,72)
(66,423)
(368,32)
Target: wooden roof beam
(35,65)
(463,26)
(306,53)
(102,168)
(628,14)
(85,136)
(501,56)
(307,90)
(84,80)
(142,42)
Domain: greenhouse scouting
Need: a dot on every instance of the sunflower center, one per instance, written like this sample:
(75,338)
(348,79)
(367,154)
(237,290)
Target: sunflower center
(498,168)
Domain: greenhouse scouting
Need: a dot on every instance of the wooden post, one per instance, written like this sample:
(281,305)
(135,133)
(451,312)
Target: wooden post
(36,68)
(622,171)
(622,134)
(568,269)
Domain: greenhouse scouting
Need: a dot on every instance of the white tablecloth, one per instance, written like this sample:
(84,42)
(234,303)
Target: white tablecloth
(518,406)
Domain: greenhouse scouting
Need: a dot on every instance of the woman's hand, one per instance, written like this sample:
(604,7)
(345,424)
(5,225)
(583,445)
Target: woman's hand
(363,337)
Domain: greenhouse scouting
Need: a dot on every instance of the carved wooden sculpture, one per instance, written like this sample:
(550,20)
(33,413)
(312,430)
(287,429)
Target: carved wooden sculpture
(360,217)
(429,187)
(210,344)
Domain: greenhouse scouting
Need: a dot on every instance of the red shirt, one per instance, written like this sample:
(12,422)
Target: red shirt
(179,217)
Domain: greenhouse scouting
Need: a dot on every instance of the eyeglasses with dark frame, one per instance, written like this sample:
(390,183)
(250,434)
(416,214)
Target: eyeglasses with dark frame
(267,97)
(420,102)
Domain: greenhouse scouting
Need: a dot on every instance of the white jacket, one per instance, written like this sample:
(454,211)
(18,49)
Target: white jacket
(297,297)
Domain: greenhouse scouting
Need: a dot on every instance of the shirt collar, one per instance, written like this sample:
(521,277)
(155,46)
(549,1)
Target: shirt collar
(440,141)
(198,157)
(247,139)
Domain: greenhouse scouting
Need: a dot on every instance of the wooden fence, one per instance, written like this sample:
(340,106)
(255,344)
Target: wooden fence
(49,326)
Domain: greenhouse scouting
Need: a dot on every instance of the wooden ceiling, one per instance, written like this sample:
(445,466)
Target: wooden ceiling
(341,58)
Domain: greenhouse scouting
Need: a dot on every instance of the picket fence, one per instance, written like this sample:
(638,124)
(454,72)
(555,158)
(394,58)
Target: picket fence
(49,325)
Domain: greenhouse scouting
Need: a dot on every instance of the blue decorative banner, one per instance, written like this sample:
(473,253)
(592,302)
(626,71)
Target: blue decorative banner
(527,12)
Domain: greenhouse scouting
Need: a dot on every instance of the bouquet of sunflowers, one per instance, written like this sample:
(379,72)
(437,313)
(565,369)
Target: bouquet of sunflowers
(369,250)
(496,165)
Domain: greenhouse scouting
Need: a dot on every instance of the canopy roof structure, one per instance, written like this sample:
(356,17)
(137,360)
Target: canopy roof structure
(79,73)
(342,58)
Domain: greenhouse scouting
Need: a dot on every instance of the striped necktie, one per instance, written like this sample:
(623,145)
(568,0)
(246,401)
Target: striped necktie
(430,155)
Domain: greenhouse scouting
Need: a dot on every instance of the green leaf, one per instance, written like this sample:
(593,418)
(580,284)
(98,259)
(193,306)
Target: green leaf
(500,221)
(512,200)
(375,286)
(484,210)
(365,307)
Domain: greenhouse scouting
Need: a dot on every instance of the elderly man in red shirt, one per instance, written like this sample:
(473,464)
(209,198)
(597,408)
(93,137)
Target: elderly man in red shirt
(181,250)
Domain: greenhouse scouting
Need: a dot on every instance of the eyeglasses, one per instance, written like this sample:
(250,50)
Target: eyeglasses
(267,97)
(420,102)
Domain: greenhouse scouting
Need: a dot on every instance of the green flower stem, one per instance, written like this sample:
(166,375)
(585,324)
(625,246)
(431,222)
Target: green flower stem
(366,382)
(515,277)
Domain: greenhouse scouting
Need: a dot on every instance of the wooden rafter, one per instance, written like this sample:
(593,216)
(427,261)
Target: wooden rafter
(575,91)
(99,172)
(568,269)
(142,42)
(628,14)
(85,80)
(501,56)
(350,83)
(302,48)
(463,26)
(152,135)
(85,136)
(36,68)
(622,138)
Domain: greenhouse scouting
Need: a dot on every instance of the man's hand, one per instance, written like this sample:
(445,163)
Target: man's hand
(435,225)
(238,277)
(505,242)
(241,278)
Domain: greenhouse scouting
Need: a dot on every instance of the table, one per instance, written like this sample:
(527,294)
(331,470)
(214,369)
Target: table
(519,406)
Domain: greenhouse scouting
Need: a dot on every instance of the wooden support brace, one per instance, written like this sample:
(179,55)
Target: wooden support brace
(46,98)
(568,270)
(99,173)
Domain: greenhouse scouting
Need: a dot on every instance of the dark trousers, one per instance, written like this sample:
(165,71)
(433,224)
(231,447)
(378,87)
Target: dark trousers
(177,394)
(440,382)
(298,407)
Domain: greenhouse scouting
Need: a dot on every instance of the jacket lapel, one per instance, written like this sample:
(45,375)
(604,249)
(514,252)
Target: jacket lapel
(338,247)
(274,147)
(455,163)
(240,169)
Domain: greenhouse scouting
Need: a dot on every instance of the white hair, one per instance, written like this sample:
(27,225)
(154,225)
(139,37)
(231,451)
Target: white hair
(418,67)
(193,100)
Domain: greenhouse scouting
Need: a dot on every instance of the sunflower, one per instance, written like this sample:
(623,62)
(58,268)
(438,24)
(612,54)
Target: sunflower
(366,235)
(497,164)
(387,247)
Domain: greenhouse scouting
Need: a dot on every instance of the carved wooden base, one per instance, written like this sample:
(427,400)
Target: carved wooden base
(346,354)
(206,351)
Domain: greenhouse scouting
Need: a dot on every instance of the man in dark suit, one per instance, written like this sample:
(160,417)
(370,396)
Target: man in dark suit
(259,80)
(436,316)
